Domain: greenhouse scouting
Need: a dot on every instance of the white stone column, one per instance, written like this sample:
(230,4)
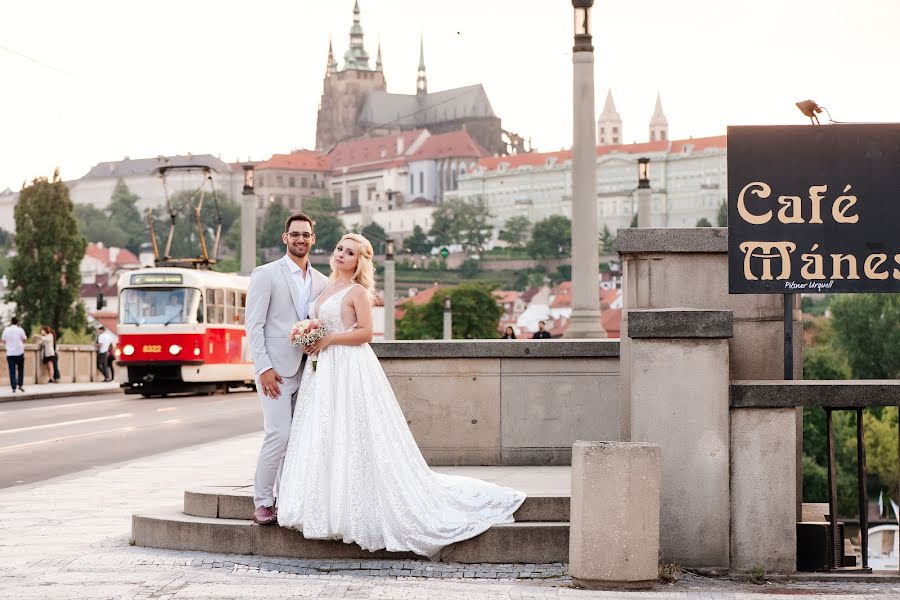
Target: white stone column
(248,232)
(614,514)
(645,203)
(585,320)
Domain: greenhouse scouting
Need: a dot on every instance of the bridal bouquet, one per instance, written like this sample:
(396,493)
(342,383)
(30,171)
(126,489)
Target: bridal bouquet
(307,331)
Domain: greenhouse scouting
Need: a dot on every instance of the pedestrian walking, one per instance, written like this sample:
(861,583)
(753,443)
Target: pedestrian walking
(14,337)
(104,341)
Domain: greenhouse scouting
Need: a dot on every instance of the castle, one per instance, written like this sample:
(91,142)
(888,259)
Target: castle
(355,103)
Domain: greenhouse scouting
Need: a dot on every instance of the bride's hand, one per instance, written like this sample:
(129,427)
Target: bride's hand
(318,345)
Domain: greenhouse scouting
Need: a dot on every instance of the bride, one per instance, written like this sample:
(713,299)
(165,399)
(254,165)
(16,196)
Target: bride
(353,470)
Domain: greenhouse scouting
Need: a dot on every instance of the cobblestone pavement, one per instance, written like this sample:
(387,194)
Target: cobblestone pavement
(69,538)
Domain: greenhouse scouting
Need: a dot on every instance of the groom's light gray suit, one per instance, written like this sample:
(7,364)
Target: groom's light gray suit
(274,304)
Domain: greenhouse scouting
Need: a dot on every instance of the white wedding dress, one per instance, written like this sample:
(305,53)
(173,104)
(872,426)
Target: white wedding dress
(353,471)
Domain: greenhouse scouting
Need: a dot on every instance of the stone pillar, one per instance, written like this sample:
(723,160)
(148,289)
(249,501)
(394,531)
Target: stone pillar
(248,232)
(614,514)
(585,321)
(645,207)
(677,370)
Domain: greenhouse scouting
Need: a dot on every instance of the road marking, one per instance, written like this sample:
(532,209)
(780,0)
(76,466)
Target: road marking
(68,405)
(167,409)
(65,423)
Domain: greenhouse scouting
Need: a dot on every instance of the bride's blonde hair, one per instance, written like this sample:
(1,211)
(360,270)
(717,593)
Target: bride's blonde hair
(365,269)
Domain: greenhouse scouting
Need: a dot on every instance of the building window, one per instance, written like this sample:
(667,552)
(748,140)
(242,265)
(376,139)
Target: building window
(615,130)
(602,130)
(293,201)
(279,180)
(615,140)
(303,181)
(371,193)
(412,189)
(338,197)
(354,197)
(421,182)
(259,180)
(662,134)
(291,182)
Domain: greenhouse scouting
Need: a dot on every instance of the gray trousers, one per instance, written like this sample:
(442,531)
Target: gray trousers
(277,415)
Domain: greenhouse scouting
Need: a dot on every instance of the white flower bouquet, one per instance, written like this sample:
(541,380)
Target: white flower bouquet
(307,331)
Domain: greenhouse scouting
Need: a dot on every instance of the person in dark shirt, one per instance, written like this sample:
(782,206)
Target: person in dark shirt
(509,334)
(541,333)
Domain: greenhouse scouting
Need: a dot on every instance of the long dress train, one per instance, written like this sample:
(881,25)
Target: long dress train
(353,470)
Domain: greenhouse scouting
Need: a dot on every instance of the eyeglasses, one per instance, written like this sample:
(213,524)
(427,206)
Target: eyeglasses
(296,235)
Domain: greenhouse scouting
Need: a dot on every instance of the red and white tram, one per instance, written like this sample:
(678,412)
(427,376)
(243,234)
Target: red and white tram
(182,330)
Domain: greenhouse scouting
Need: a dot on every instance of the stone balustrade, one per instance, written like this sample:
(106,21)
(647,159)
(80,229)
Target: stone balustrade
(77,364)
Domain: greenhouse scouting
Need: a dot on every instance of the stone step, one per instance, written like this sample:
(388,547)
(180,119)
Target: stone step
(226,502)
(521,542)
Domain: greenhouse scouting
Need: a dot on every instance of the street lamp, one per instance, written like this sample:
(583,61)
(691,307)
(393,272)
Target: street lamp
(645,195)
(248,221)
(389,282)
(585,319)
(448,318)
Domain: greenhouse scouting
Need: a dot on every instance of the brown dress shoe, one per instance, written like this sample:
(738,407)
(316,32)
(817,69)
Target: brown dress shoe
(264,515)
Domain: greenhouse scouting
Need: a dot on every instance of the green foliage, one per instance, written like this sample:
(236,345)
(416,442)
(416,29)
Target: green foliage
(476,315)
(470,267)
(551,238)
(418,243)
(186,239)
(77,337)
(703,222)
(460,222)
(563,273)
(867,328)
(119,225)
(329,228)
(45,279)
(816,305)
(7,243)
(271,228)
(228,265)
(607,242)
(376,235)
(722,217)
(516,231)
(825,362)
(881,447)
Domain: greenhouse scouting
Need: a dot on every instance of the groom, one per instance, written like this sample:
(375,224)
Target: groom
(279,295)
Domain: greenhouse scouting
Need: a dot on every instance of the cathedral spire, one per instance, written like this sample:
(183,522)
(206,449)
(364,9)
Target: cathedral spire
(659,125)
(421,80)
(356,56)
(609,125)
(378,65)
(331,64)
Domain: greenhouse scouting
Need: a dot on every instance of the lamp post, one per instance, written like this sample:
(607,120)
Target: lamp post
(645,195)
(389,281)
(248,222)
(585,320)
(448,318)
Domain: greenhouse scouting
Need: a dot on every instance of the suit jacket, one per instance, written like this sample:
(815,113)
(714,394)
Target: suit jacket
(271,312)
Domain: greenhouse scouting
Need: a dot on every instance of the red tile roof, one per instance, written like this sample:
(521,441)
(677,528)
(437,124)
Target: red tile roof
(699,144)
(299,160)
(371,151)
(124,258)
(454,144)
(505,296)
(612,322)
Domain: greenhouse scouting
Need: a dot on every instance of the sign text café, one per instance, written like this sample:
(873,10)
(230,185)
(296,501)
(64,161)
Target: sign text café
(814,209)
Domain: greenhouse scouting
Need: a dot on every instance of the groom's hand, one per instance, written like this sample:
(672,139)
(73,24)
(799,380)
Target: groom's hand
(269,381)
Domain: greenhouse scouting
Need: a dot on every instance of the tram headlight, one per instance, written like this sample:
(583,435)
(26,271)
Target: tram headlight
(128,350)
(174,349)
(196,351)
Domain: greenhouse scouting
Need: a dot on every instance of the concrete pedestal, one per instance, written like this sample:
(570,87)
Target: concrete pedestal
(614,520)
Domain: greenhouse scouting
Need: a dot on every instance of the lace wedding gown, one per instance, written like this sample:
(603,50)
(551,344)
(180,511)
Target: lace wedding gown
(353,470)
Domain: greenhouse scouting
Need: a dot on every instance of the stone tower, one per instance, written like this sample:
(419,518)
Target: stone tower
(345,90)
(609,125)
(659,125)
(421,80)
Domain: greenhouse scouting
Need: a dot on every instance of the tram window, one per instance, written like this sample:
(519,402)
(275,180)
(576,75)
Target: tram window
(163,306)
(229,307)
(215,306)
(241,298)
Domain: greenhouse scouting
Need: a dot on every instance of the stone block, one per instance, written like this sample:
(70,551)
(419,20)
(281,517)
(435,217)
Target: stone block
(66,365)
(547,404)
(679,400)
(272,540)
(236,506)
(200,504)
(513,543)
(679,323)
(614,526)
(763,489)
(180,532)
(543,508)
(85,366)
(452,407)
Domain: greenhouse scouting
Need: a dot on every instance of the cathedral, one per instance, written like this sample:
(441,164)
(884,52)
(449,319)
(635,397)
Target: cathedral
(355,103)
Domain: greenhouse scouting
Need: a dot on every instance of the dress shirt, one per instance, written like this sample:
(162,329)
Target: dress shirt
(303,284)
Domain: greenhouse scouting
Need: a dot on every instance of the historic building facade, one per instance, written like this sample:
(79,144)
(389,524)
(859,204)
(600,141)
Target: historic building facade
(355,103)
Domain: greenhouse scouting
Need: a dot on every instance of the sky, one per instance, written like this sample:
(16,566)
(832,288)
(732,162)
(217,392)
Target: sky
(97,80)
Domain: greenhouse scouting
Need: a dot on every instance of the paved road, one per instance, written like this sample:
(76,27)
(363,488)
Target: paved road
(40,439)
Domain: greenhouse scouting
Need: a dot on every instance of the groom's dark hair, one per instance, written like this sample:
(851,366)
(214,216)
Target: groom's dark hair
(299,217)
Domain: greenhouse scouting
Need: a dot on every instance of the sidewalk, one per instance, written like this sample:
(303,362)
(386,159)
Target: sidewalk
(69,538)
(59,390)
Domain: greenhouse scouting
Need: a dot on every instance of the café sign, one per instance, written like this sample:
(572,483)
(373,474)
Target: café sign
(814,209)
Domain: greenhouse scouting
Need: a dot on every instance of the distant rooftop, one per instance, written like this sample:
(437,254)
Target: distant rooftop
(145,166)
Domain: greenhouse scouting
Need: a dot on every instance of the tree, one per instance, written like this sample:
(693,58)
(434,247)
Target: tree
(703,222)
(92,223)
(607,241)
(867,328)
(376,235)
(271,227)
(125,218)
(460,222)
(825,362)
(45,278)
(516,231)
(551,238)
(418,243)
(329,228)
(476,315)
(722,217)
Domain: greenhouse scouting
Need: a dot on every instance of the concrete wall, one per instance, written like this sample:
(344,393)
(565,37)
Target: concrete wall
(502,402)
